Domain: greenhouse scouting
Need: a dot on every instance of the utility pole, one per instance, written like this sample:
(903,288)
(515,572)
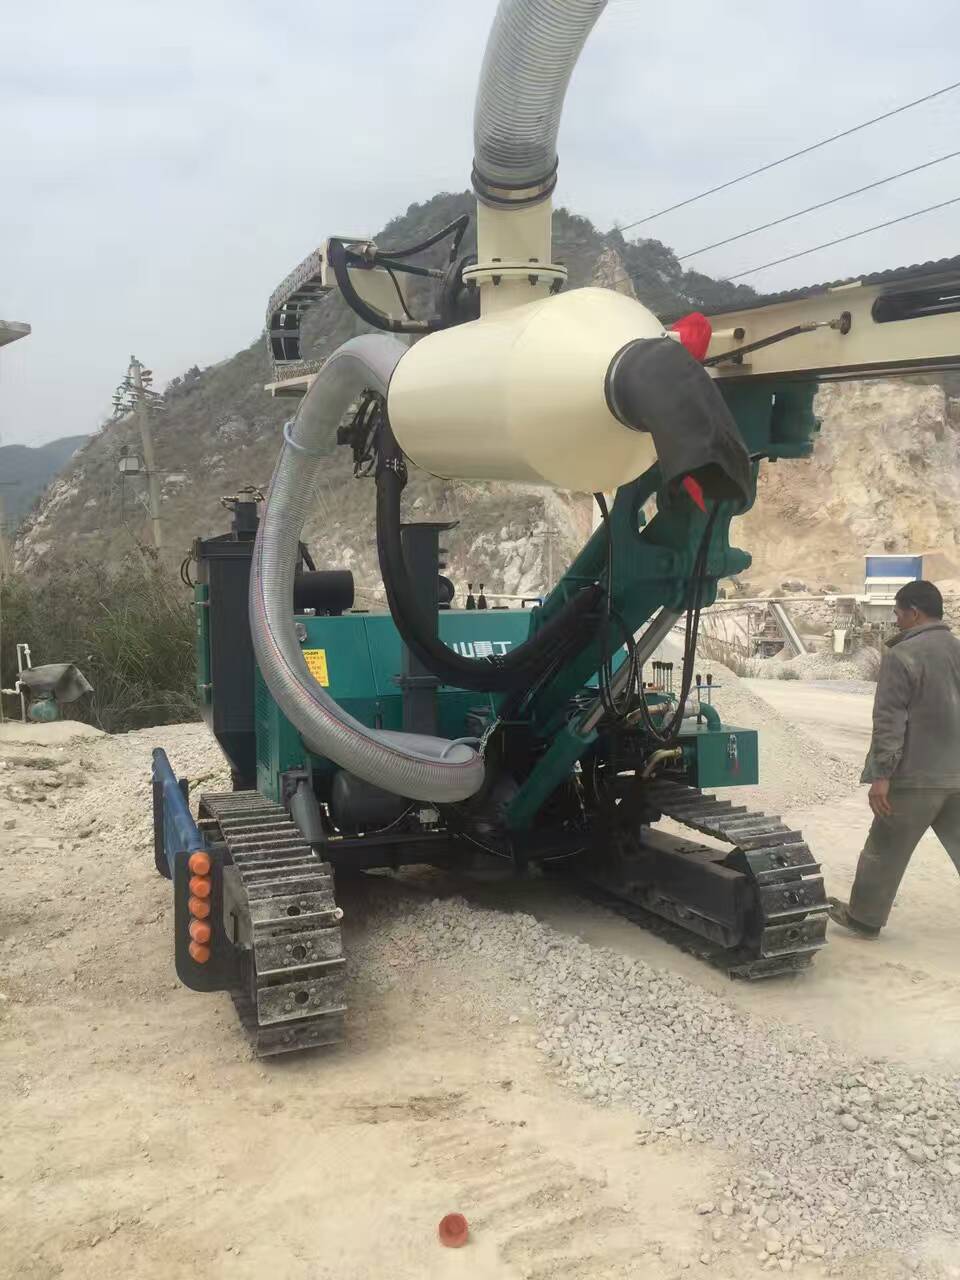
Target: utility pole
(134,394)
(146,441)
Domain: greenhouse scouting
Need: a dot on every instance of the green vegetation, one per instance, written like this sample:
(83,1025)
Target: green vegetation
(128,627)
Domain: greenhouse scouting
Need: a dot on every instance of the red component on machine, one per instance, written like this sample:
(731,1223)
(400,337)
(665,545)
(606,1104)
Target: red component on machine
(453,1230)
(695,332)
(199,863)
(692,487)
(198,908)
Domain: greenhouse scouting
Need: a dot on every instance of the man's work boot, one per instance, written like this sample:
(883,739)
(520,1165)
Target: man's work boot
(840,914)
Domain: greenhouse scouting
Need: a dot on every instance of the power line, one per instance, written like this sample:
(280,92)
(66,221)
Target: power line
(732,182)
(822,205)
(841,239)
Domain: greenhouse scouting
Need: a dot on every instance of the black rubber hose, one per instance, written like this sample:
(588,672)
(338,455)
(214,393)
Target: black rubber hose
(565,634)
(372,315)
(459,225)
(387,260)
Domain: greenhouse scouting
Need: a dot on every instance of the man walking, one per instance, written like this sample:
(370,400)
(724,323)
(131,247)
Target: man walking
(913,765)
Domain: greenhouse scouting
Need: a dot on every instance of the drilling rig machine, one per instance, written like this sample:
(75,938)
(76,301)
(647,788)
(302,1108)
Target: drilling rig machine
(527,739)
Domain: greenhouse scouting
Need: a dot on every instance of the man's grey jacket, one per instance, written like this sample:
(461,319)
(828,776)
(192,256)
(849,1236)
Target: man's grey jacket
(916,711)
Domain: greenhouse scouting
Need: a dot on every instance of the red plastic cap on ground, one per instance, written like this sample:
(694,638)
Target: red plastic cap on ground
(453,1230)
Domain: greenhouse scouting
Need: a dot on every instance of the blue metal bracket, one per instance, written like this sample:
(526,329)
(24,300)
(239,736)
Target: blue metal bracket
(175,837)
(174,830)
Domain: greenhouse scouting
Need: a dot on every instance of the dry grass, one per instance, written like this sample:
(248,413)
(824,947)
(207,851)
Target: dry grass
(128,627)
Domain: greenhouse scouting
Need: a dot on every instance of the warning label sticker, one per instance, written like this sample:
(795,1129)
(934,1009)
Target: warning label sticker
(316,660)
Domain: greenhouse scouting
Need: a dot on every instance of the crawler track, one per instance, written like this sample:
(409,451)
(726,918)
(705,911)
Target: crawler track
(279,900)
(787,917)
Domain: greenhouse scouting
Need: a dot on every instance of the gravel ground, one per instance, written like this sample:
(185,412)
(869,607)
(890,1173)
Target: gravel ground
(833,1155)
(861,665)
(821,1157)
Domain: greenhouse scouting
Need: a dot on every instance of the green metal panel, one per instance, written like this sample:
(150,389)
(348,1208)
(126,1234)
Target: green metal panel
(359,656)
(278,744)
(653,563)
(775,419)
(725,757)
(201,609)
(652,568)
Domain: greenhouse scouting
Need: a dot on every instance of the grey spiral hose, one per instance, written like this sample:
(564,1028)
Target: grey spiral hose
(412,765)
(531,52)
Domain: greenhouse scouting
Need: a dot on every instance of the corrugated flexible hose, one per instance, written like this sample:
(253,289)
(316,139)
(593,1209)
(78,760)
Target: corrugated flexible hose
(531,52)
(530,55)
(412,765)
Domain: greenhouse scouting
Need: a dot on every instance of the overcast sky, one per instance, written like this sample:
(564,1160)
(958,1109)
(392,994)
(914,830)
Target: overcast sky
(165,165)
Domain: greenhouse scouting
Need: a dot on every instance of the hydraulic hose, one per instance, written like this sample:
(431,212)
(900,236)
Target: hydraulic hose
(365,310)
(412,765)
(564,635)
(531,52)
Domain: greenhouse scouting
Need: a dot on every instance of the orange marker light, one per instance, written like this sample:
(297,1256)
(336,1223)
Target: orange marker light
(200,931)
(198,953)
(197,907)
(200,886)
(200,863)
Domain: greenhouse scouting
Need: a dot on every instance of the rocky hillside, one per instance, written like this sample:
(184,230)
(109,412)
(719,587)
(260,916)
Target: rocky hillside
(885,477)
(218,431)
(28,470)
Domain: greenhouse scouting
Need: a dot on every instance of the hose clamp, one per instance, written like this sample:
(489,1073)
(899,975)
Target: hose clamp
(513,194)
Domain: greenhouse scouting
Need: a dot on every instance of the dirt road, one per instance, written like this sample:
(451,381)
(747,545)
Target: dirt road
(836,712)
(914,974)
(138,1135)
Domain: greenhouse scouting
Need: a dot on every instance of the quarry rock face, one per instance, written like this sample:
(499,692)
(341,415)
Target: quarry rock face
(884,477)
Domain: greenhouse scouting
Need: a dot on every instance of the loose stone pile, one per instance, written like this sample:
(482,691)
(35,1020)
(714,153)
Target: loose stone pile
(833,1155)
